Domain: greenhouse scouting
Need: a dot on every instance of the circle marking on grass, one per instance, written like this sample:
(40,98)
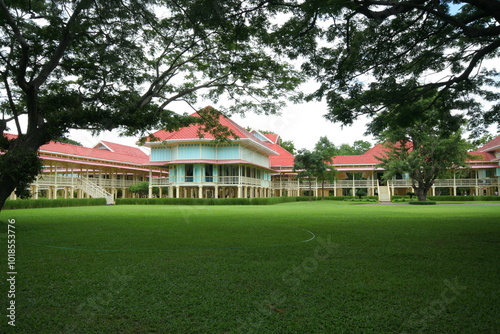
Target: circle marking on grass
(311,238)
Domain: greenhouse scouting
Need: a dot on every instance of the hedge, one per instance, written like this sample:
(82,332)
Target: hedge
(232,201)
(464,198)
(52,203)
(399,198)
(421,203)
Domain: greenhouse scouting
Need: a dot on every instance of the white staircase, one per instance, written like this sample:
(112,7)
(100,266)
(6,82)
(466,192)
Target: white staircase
(384,194)
(95,191)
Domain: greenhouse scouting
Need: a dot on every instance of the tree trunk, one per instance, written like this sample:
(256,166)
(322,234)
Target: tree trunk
(421,195)
(421,192)
(6,188)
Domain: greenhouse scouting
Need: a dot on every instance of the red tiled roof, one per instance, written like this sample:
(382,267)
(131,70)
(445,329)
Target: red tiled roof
(120,153)
(74,150)
(368,158)
(123,149)
(482,156)
(284,158)
(193,131)
(9,136)
(272,137)
(94,163)
(489,145)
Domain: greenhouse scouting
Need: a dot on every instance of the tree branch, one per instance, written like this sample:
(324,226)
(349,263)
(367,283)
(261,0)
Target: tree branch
(66,39)
(25,48)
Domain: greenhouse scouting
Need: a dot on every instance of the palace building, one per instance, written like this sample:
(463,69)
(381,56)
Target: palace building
(192,163)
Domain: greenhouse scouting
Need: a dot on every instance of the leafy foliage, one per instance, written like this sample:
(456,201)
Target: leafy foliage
(20,169)
(309,165)
(477,143)
(288,145)
(326,149)
(424,150)
(357,148)
(370,56)
(142,189)
(103,65)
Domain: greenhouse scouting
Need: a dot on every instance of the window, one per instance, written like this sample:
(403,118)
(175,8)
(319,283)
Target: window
(189,172)
(209,173)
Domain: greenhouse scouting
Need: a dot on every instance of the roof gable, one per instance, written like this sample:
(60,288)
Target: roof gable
(195,131)
(273,137)
(122,149)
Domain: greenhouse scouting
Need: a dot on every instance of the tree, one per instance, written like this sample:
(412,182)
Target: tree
(142,189)
(361,192)
(357,148)
(479,142)
(288,145)
(309,164)
(425,150)
(373,56)
(326,149)
(361,146)
(107,64)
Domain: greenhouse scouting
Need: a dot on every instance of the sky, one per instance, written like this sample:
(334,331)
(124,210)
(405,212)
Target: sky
(303,124)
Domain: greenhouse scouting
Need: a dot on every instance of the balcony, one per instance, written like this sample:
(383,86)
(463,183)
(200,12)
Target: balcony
(209,181)
(49,180)
(336,184)
(448,183)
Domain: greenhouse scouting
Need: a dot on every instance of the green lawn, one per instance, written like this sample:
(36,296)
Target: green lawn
(319,267)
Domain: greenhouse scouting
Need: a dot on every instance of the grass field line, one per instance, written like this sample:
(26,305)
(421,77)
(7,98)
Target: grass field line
(312,237)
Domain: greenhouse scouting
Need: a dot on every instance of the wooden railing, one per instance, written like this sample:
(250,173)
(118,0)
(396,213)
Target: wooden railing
(449,183)
(47,180)
(336,184)
(208,181)
(94,190)
(68,181)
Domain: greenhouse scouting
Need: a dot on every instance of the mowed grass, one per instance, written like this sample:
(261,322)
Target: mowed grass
(319,267)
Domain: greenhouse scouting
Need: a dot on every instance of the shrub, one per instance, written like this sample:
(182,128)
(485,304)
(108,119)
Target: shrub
(421,203)
(360,193)
(411,194)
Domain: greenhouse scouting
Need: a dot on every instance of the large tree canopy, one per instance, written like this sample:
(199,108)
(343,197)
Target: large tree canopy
(373,56)
(426,149)
(107,64)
